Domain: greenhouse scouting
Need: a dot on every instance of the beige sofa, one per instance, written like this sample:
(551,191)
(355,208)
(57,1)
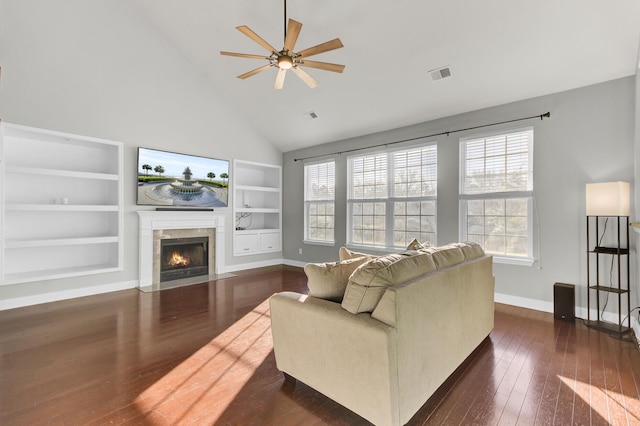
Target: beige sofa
(405,323)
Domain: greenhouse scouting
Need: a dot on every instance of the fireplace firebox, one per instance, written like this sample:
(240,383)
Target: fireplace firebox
(183,258)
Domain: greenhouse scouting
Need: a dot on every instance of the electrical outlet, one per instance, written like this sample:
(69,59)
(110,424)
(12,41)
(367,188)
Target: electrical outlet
(300,250)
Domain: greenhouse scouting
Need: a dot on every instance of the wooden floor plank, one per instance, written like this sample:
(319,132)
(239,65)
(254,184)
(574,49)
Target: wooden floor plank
(203,354)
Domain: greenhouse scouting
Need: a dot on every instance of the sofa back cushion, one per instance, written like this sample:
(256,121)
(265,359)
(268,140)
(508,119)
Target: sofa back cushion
(445,256)
(368,282)
(470,250)
(329,280)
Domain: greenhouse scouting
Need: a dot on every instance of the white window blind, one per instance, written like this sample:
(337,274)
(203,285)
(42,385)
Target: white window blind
(392,197)
(319,196)
(496,193)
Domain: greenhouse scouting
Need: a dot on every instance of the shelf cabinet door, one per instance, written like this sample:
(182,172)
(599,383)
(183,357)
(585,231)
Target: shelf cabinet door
(245,244)
(270,241)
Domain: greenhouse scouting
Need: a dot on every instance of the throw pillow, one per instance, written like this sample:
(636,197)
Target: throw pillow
(329,280)
(417,245)
(345,254)
(414,245)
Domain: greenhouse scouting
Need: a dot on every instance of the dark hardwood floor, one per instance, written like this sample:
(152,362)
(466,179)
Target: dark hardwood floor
(202,354)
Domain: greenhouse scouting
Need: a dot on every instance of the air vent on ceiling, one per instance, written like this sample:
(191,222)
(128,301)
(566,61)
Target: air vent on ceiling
(440,73)
(311,115)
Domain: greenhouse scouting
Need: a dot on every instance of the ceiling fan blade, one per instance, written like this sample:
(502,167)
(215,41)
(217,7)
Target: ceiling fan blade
(255,37)
(323,66)
(243,55)
(293,30)
(254,72)
(311,82)
(279,83)
(321,48)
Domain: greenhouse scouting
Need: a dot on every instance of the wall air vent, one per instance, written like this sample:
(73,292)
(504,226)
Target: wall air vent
(440,73)
(311,115)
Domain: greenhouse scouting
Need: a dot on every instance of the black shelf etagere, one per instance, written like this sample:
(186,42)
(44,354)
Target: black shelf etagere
(620,288)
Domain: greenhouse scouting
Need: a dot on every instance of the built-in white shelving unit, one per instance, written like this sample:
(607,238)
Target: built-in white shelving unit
(257,207)
(61,201)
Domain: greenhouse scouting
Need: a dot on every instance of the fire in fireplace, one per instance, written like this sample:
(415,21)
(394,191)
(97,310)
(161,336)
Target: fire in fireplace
(183,258)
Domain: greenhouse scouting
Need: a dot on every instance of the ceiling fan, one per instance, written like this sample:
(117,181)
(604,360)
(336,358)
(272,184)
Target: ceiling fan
(287,59)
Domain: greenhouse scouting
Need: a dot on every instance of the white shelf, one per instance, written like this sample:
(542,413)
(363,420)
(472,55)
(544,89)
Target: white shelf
(52,274)
(256,210)
(254,231)
(257,190)
(61,208)
(61,173)
(60,221)
(58,242)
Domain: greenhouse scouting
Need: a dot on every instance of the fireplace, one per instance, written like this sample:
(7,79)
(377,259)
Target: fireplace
(183,258)
(157,226)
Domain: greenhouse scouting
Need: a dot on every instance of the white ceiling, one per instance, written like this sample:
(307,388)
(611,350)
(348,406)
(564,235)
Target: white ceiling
(499,51)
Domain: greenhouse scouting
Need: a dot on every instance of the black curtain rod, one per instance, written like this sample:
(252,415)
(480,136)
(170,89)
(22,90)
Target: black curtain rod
(541,117)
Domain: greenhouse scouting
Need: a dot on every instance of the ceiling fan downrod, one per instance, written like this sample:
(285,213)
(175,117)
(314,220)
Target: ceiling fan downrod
(285,19)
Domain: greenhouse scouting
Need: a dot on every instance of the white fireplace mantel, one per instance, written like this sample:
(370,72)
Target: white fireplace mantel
(155,220)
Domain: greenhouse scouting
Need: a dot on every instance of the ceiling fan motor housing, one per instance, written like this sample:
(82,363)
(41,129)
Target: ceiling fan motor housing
(285,61)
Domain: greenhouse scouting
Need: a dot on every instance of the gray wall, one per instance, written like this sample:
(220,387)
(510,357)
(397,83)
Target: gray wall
(96,68)
(589,138)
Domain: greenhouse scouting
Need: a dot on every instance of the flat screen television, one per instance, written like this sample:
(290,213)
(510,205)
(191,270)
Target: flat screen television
(169,179)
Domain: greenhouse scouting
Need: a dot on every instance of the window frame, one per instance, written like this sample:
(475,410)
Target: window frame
(528,194)
(308,202)
(389,199)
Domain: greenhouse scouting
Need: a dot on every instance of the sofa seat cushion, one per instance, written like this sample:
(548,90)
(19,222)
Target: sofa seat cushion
(329,280)
(368,283)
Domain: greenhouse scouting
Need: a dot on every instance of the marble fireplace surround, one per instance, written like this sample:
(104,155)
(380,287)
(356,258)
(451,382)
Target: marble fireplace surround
(155,225)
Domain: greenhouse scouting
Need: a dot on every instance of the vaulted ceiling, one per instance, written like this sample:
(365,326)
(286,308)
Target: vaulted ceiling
(499,51)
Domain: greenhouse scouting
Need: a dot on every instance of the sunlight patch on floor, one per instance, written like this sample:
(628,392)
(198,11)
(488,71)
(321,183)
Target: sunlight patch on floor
(209,380)
(607,404)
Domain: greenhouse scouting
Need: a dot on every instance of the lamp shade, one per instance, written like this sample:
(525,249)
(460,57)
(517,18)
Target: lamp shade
(608,199)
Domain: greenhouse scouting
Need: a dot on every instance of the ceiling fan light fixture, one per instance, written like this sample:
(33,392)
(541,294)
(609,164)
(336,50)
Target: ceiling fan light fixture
(287,58)
(285,62)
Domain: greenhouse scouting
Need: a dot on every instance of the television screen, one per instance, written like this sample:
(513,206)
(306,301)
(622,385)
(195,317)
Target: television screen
(172,179)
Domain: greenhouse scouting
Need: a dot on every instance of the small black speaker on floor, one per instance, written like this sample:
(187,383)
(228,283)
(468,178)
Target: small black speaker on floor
(564,301)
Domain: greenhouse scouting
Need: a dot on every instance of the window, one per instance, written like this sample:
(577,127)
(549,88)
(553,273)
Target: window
(496,194)
(392,197)
(319,204)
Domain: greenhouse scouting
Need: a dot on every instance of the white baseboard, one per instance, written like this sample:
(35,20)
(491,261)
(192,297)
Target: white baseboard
(37,299)
(524,302)
(294,263)
(252,265)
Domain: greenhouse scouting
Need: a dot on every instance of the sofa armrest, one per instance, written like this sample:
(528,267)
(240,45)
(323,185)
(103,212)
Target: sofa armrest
(346,357)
